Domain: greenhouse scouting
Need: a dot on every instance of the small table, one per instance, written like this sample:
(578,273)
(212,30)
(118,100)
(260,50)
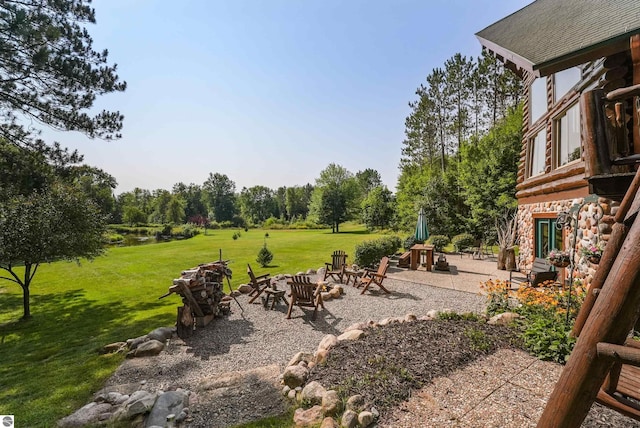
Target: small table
(276,295)
(416,250)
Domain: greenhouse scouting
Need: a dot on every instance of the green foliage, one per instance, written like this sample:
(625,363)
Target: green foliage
(438,241)
(378,208)
(265,256)
(479,339)
(236,235)
(50,72)
(369,253)
(488,172)
(335,197)
(547,335)
(454,316)
(219,193)
(61,223)
(409,242)
(463,240)
(257,204)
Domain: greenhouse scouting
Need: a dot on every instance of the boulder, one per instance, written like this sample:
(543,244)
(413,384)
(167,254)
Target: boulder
(349,419)
(328,342)
(137,341)
(365,419)
(140,402)
(149,348)
(330,402)
(294,376)
(308,418)
(321,271)
(410,317)
(321,356)
(335,292)
(285,390)
(245,288)
(162,334)
(357,326)
(313,392)
(328,423)
(503,319)
(112,348)
(356,403)
(433,314)
(326,295)
(86,416)
(235,293)
(351,335)
(291,395)
(300,356)
(171,402)
(340,288)
(311,271)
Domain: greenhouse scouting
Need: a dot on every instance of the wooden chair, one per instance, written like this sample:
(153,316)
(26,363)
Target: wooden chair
(337,266)
(376,278)
(541,272)
(304,293)
(258,283)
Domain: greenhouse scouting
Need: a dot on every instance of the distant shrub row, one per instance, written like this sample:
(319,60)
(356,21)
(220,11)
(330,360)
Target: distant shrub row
(369,253)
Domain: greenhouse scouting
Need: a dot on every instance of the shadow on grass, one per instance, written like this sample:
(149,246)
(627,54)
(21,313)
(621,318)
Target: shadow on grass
(50,362)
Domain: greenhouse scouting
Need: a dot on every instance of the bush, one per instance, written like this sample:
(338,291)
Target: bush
(438,241)
(264,256)
(409,242)
(464,240)
(236,235)
(369,253)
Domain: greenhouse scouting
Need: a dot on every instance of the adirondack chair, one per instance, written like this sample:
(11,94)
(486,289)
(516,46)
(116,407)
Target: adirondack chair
(304,293)
(257,283)
(336,269)
(540,273)
(371,277)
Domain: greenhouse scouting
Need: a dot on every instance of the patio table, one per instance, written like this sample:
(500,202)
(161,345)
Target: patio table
(416,250)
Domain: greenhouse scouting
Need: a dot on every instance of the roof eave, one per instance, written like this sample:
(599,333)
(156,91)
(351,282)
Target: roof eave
(604,48)
(513,61)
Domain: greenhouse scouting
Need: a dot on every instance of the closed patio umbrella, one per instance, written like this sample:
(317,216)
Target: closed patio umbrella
(422,232)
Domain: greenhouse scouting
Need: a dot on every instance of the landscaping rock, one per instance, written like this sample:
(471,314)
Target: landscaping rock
(313,392)
(245,288)
(294,376)
(309,417)
(356,326)
(365,419)
(328,342)
(171,402)
(321,272)
(148,349)
(503,319)
(135,342)
(328,423)
(162,334)
(85,416)
(285,390)
(340,288)
(140,402)
(321,356)
(410,317)
(335,292)
(300,356)
(311,271)
(326,295)
(349,419)
(112,348)
(291,395)
(330,402)
(235,293)
(433,314)
(351,335)
(356,403)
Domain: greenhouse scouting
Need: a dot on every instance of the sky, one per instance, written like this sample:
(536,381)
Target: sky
(269,92)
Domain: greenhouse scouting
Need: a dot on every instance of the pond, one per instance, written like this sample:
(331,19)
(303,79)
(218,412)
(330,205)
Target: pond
(131,240)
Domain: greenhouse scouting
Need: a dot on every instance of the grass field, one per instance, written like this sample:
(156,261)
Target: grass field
(50,364)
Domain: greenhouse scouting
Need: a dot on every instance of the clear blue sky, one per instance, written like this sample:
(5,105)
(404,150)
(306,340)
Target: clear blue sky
(269,92)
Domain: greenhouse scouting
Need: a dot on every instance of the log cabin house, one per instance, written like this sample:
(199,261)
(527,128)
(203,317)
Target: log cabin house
(570,55)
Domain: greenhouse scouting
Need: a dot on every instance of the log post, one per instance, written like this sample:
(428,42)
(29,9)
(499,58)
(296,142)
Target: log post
(612,317)
(596,149)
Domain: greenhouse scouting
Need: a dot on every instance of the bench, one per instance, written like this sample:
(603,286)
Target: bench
(541,271)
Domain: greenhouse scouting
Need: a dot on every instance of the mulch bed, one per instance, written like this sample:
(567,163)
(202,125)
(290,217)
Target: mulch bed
(391,361)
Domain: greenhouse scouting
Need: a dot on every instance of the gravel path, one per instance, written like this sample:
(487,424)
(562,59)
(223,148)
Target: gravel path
(258,337)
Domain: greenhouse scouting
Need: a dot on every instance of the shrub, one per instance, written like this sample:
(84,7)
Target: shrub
(369,253)
(236,235)
(438,241)
(464,240)
(409,242)
(264,256)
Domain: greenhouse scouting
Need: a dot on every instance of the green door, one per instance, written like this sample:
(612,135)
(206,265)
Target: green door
(547,237)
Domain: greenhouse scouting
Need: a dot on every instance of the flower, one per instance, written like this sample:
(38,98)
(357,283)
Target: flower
(558,255)
(592,250)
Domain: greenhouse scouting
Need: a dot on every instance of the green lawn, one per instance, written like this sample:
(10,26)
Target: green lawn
(50,365)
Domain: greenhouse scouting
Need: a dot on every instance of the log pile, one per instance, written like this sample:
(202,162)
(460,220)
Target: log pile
(201,291)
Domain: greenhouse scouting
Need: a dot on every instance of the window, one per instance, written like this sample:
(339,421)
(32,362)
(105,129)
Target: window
(538,99)
(548,237)
(537,153)
(564,81)
(567,136)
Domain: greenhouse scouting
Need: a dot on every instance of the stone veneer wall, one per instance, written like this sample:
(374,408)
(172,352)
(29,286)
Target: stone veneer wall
(588,230)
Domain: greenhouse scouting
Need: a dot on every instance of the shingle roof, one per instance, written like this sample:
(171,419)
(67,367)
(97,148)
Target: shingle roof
(550,35)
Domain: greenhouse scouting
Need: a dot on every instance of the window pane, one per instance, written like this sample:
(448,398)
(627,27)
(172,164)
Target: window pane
(538,98)
(568,136)
(564,81)
(538,152)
